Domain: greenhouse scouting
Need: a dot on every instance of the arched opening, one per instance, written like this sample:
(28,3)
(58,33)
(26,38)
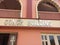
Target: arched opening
(10,4)
(10,9)
(47,6)
(48,10)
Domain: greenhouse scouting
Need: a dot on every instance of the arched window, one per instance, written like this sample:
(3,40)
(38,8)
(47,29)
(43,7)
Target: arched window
(11,6)
(47,6)
(48,10)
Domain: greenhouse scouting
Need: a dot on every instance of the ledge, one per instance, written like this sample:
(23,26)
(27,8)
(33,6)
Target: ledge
(29,28)
(49,15)
(7,13)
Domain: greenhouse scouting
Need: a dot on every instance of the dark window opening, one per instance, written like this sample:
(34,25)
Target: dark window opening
(52,41)
(47,6)
(7,39)
(10,4)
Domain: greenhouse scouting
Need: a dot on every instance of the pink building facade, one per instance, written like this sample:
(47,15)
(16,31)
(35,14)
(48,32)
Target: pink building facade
(32,22)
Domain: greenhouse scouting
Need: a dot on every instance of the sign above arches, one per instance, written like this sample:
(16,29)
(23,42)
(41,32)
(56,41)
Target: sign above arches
(29,22)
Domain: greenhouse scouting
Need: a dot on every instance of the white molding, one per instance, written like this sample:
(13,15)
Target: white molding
(21,8)
(37,6)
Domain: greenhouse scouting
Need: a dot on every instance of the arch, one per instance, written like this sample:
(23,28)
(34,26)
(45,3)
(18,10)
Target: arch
(47,6)
(10,4)
(47,3)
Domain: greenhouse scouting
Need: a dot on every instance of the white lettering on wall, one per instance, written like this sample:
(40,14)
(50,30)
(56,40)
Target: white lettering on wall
(13,22)
(29,22)
(39,23)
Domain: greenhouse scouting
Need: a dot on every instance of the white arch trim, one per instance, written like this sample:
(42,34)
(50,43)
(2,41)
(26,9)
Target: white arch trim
(37,6)
(21,8)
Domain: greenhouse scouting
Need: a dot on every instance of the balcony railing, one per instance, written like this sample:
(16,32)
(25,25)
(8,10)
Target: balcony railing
(6,13)
(49,15)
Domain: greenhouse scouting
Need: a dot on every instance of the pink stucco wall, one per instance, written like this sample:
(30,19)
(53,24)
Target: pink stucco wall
(24,8)
(30,36)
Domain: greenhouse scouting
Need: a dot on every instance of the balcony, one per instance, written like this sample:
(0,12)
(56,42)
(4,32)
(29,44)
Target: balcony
(49,15)
(7,13)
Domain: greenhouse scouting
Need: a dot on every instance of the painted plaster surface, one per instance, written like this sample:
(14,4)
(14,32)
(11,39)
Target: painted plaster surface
(29,36)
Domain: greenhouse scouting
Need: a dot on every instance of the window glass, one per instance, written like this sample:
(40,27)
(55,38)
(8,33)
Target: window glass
(52,42)
(58,39)
(45,37)
(42,37)
(43,43)
(44,40)
(53,39)
(46,43)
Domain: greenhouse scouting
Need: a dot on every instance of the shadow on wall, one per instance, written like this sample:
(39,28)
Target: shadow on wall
(10,4)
